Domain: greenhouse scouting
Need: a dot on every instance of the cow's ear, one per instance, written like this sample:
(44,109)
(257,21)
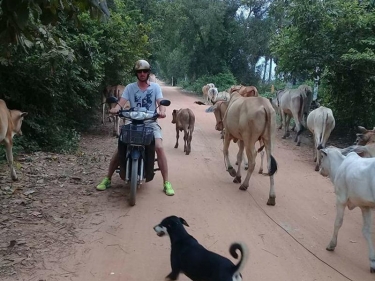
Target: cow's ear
(183,221)
(362,129)
(23,114)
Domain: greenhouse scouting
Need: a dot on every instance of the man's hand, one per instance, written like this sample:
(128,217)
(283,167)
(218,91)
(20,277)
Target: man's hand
(162,114)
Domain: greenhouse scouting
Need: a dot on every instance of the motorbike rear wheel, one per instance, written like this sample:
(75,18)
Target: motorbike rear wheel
(133,182)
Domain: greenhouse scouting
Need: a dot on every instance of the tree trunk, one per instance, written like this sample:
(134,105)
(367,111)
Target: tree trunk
(270,73)
(265,69)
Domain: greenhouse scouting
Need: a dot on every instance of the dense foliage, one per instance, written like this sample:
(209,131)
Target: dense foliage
(57,56)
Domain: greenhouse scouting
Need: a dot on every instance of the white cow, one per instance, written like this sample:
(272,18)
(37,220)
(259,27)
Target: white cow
(354,181)
(220,96)
(320,123)
(294,103)
(365,151)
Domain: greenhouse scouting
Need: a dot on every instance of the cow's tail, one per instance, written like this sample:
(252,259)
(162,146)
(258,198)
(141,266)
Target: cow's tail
(300,114)
(273,166)
(321,137)
(244,256)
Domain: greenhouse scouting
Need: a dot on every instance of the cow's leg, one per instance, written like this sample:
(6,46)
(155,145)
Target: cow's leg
(318,157)
(297,139)
(366,230)
(229,166)
(177,137)
(103,113)
(251,154)
(340,208)
(189,140)
(243,157)
(240,153)
(261,162)
(9,155)
(186,138)
(245,160)
(287,124)
(283,122)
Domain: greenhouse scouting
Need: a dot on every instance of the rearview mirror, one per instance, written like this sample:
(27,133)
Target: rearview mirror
(165,102)
(111,100)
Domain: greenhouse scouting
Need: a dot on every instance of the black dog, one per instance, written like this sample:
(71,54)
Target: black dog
(196,262)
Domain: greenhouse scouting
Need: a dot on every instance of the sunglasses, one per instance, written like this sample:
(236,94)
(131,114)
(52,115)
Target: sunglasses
(143,71)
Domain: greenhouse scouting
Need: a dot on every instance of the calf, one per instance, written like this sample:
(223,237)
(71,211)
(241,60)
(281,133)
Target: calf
(10,125)
(249,120)
(184,120)
(320,123)
(354,181)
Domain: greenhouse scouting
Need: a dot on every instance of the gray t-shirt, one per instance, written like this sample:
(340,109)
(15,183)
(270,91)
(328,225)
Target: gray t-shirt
(139,98)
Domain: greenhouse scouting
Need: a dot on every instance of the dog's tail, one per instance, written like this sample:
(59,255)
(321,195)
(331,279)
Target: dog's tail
(244,256)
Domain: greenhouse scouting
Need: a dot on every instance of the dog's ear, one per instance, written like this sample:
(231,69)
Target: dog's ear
(183,221)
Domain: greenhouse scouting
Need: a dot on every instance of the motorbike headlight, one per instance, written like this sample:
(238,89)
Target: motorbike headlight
(138,115)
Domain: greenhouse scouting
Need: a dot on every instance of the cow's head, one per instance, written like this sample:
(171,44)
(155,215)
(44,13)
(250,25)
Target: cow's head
(365,136)
(219,111)
(234,88)
(174,116)
(249,91)
(17,118)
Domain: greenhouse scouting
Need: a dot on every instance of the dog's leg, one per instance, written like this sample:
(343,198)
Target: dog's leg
(172,276)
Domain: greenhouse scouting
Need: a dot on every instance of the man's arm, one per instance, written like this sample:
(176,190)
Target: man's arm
(162,109)
(121,103)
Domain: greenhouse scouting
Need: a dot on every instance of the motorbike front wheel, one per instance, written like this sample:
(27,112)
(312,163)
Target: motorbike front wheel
(133,182)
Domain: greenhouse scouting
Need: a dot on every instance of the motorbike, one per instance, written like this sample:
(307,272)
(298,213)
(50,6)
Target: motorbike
(136,146)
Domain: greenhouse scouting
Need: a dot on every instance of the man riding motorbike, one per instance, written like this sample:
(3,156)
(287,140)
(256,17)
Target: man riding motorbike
(142,93)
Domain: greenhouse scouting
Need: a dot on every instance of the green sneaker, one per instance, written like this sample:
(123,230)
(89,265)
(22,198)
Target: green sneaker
(106,182)
(168,188)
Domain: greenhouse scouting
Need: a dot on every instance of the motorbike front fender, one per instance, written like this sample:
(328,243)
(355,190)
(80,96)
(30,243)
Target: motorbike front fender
(135,154)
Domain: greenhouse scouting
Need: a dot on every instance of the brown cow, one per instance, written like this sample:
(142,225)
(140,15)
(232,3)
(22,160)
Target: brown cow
(184,120)
(245,91)
(10,125)
(365,136)
(219,110)
(113,91)
(249,120)
(364,145)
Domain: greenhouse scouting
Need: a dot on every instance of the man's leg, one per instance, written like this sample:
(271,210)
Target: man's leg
(163,165)
(113,164)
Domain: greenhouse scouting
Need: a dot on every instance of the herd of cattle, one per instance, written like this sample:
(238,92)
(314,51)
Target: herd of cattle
(247,118)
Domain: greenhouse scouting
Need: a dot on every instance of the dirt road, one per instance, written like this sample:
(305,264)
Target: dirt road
(113,241)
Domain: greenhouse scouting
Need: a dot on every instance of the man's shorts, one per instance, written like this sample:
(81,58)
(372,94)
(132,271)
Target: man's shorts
(157,130)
